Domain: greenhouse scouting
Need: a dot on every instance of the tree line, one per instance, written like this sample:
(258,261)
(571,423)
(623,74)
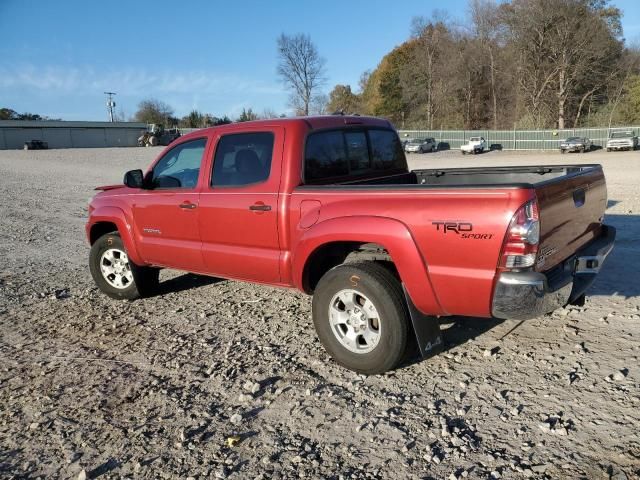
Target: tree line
(10,114)
(518,64)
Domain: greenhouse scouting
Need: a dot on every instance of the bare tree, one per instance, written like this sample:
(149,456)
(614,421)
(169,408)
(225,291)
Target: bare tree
(268,113)
(319,104)
(301,69)
(561,44)
(425,80)
(153,111)
(484,14)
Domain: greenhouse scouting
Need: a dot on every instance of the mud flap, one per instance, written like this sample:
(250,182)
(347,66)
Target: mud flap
(426,329)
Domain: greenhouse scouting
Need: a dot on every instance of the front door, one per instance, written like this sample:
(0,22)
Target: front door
(238,209)
(166,213)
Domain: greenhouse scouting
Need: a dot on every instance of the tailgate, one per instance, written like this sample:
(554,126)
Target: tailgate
(571,211)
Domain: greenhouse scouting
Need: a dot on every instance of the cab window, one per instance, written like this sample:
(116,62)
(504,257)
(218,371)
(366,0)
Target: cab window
(180,166)
(242,159)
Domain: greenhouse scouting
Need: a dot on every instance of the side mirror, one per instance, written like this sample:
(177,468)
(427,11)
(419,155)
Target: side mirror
(134,178)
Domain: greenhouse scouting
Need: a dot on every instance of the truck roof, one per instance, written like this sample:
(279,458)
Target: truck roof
(315,122)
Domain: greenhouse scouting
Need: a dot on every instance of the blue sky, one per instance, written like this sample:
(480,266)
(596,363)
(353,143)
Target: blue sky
(57,57)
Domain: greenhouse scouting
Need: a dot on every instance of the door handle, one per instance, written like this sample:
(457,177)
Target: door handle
(188,205)
(260,207)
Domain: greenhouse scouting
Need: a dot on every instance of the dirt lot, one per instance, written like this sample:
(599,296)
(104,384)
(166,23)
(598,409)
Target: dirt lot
(91,387)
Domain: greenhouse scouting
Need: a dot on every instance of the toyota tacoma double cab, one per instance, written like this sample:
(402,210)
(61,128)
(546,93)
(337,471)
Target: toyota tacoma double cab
(328,205)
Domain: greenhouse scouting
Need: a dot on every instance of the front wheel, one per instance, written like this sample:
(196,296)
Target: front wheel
(115,274)
(361,317)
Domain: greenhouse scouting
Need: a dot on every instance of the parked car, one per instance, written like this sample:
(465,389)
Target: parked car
(622,140)
(474,145)
(35,145)
(327,205)
(575,144)
(420,145)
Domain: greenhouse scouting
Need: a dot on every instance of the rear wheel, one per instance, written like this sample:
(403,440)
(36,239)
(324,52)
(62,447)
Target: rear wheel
(115,274)
(361,317)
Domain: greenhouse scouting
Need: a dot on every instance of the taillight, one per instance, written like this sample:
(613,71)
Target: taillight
(523,235)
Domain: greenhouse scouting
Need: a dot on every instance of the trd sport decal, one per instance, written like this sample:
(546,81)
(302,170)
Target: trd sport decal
(463,229)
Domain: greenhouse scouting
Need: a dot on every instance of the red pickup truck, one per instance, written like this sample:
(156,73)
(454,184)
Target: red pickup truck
(328,205)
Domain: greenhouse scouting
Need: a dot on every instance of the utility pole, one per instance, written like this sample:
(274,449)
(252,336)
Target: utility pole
(111,105)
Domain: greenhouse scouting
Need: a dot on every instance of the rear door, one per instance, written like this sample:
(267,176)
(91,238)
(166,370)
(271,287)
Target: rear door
(166,214)
(239,206)
(571,214)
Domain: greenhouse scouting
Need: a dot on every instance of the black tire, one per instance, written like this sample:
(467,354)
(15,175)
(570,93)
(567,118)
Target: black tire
(562,151)
(608,149)
(381,287)
(145,279)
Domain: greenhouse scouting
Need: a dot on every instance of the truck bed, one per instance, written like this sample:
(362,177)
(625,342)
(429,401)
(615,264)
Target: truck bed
(529,176)
(571,198)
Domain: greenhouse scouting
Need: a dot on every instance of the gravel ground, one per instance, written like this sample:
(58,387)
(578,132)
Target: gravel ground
(217,379)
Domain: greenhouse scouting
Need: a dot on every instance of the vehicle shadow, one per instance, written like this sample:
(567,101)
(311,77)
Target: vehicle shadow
(185,281)
(458,331)
(619,276)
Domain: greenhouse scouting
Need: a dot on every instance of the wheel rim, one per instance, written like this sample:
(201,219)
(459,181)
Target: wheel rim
(115,268)
(355,321)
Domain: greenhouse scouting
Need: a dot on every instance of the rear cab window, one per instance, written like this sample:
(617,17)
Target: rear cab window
(340,155)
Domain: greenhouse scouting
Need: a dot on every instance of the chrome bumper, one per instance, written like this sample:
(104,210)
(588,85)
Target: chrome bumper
(525,295)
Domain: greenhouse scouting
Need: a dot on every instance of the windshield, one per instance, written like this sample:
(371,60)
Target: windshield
(621,135)
(416,141)
(475,139)
(573,139)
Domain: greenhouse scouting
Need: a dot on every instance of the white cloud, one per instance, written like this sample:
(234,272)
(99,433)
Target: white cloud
(132,81)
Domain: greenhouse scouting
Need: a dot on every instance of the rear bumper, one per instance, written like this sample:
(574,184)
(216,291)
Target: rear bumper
(525,295)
